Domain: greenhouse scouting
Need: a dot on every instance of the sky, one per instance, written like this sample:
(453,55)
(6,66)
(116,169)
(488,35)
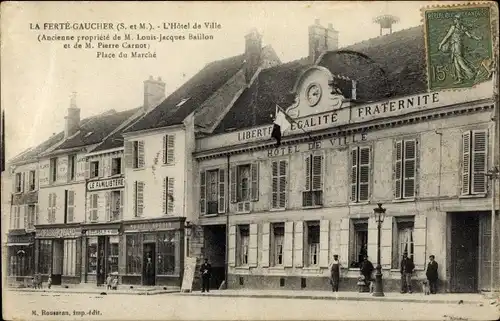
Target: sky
(38,77)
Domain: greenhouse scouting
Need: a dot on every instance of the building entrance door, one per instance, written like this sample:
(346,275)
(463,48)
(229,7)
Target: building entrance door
(464,252)
(149,268)
(101,260)
(215,252)
(57,261)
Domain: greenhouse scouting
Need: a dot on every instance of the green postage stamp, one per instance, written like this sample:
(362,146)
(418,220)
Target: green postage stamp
(458,45)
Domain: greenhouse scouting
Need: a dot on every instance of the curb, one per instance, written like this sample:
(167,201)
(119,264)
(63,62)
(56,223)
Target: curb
(99,293)
(327,297)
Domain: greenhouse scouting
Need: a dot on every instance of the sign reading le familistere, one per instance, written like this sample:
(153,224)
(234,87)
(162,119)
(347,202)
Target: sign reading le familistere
(105,184)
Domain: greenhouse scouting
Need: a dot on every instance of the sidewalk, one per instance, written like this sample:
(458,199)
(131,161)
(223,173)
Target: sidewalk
(447,298)
(93,289)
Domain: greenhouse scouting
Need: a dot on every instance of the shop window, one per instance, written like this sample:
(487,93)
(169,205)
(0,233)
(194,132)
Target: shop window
(358,242)
(279,182)
(244,241)
(312,239)
(69,260)
(113,254)
(53,170)
(360,174)
(167,243)
(92,255)
(71,167)
(20,261)
(94,169)
(32,180)
(116,166)
(45,257)
(278,236)
(405,170)
(402,230)
(19,182)
(134,254)
(474,162)
(313,191)
(116,205)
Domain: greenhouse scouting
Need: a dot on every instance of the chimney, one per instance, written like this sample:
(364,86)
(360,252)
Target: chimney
(154,92)
(321,39)
(253,48)
(72,119)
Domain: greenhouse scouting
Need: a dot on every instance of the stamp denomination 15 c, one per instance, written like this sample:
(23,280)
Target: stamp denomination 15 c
(459,46)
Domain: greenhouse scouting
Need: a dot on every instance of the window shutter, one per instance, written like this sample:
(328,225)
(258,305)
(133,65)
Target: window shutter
(317,173)
(165,195)
(255,181)
(364,173)
(129,154)
(140,154)
(265,244)
(283,184)
(35,179)
(410,151)
(203,191)
(87,170)
(307,160)
(372,240)
(23,185)
(232,246)
(386,243)
(140,198)
(37,212)
(170,149)
(419,241)
(165,149)
(24,216)
(170,196)
(466,147)
(344,242)
(107,208)
(122,201)
(233,184)
(274,185)
(354,174)
(54,207)
(288,245)
(398,158)
(479,162)
(88,206)
(299,244)
(71,206)
(100,168)
(395,252)
(252,247)
(49,209)
(222,191)
(95,207)
(324,242)
(134,197)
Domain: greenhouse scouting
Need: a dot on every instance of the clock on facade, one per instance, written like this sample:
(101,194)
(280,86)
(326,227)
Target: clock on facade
(313,94)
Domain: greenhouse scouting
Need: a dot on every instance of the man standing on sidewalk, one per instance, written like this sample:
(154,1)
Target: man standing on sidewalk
(432,274)
(206,271)
(335,273)
(407,267)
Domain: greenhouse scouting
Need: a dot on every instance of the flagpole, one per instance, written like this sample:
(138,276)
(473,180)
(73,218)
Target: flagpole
(293,121)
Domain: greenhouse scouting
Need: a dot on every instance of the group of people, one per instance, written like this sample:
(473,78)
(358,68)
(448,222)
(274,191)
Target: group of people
(406,269)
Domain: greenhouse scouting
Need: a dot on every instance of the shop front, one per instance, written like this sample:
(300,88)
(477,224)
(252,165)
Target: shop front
(58,252)
(21,258)
(154,252)
(101,245)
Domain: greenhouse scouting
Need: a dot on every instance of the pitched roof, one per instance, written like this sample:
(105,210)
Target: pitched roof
(97,128)
(187,98)
(400,55)
(32,153)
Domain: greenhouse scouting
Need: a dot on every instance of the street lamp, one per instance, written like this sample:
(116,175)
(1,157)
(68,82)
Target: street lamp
(378,215)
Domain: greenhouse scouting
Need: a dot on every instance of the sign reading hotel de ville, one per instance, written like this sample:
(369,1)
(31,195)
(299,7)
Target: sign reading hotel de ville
(105,184)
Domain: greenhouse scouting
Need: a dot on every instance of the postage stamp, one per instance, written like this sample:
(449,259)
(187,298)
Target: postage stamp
(459,45)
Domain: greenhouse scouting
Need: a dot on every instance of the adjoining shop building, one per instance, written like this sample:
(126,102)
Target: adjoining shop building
(423,155)
(158,166)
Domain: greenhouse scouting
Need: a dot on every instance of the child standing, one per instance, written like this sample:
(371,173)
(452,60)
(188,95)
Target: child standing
(108,281)
(49,281)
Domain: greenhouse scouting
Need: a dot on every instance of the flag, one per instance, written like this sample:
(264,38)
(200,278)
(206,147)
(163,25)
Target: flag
(281,123)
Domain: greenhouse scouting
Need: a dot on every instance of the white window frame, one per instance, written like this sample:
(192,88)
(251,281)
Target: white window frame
(278,241)
(312,248)
(94,169)
(113,166)
(402,225)
(243,244)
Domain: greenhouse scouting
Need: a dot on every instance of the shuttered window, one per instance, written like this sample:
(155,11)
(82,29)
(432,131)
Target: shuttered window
(134,154)
(243,244)
(244,181)
(138,198)
(94,207)
(213,191)
(168,195)
(70,206)
(405,168)
(32,180)
(313,192)
(402,239)
(474,162)
(279,184)
(168,149)
(313,245)
(51,209)
(278,238)
(19,182)
(360,174)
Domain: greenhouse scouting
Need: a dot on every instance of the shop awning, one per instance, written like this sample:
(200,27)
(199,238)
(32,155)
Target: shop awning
(19,244)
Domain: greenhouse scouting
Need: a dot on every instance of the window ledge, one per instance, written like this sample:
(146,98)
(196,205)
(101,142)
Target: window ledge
(312,268)
(243,212)
(312,207)
(168,164)
(359,203)
(242,267)
(473,196)
(277,209)
(138,169)
(277,268)
(404,200)
(209,215)
(115,175)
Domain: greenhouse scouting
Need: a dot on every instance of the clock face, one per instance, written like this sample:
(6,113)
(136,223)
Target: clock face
(313,94)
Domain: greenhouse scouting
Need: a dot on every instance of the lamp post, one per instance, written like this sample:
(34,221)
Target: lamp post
(493,174)
(378,215)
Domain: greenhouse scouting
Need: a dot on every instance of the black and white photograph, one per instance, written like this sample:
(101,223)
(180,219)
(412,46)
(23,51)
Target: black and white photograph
(250,160)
